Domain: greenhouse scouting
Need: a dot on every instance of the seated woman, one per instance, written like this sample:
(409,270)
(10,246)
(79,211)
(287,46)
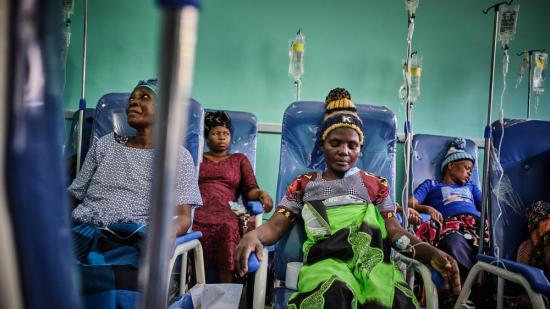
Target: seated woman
(223,177)
(350,223)
(113,193)
(535,251)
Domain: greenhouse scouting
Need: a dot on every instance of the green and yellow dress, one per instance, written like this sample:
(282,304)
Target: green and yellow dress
(347,254)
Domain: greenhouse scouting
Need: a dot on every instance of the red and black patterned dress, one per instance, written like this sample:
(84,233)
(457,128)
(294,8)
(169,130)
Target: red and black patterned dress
(219,183)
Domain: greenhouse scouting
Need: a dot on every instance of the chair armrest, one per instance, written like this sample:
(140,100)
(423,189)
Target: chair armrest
(255,207)
(428,277)
(535,276)
(253,262)
(425,217)
(260,282)
(182,246)
(188,237)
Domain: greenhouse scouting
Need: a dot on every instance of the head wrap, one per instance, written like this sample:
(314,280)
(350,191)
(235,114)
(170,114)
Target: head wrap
(151,84)
(538,220)
(215,119)
(456,152)
(539,212)
(340,112)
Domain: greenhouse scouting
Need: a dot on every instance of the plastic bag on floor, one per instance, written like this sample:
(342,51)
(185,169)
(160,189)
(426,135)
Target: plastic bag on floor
(216,296)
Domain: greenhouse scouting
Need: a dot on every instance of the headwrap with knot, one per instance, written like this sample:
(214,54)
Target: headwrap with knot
(215,119)
(457,152)
(340,112)
(151,84)
(539,213)
(538,220)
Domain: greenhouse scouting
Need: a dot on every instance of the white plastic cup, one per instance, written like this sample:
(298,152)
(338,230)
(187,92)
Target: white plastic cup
(292,270)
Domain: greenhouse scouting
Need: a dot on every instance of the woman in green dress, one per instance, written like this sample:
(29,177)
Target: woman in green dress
(350,224)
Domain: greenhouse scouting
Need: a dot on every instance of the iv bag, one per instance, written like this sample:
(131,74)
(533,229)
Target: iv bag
(68,8)
(411,6)
(412,78)
(296,56)
(507,23)
(539,72)
(525,59)
(402,92)
(416,73)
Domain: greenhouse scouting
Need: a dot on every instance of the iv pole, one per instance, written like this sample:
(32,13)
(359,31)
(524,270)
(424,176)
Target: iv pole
(409,106)
(82,103)
(485,210)
(179,36)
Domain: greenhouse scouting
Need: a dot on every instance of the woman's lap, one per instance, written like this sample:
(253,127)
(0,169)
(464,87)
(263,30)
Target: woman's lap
(461,249)
(219,240)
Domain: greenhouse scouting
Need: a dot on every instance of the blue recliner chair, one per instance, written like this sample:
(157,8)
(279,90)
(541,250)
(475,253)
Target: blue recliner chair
(521,177)
(300,153)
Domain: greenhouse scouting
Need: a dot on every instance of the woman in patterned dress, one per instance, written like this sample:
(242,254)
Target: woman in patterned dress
(223,177)
(114,185)
(350,224)
(113,198)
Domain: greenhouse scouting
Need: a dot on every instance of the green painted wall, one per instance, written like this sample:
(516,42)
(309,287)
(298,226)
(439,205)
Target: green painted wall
(242,58)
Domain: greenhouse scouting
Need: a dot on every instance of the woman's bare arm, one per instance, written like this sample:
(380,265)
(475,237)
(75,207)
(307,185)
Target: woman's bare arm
(182,221)
(427,254)
(413,202)
(262,196)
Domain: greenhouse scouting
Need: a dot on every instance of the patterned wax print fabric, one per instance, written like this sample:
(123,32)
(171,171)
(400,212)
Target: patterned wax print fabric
(220,183)
(450,199)
(536,250)
(108,261)
(361,184)
(458,236)
(347,254)
(114,185)
(459,233)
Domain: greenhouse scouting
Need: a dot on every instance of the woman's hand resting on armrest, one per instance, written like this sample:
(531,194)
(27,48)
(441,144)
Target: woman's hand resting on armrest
(263,197)
(426,254)
(253,241)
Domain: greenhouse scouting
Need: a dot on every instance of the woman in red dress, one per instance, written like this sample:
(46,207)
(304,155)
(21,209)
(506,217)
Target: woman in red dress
(223,177)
